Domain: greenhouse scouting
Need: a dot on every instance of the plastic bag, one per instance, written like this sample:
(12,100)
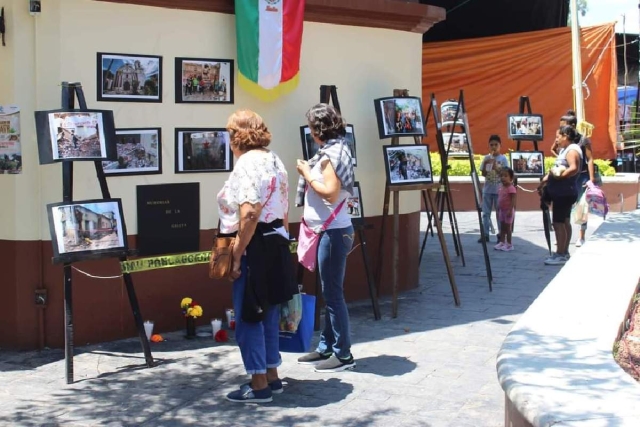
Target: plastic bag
(291,313)
(580,213)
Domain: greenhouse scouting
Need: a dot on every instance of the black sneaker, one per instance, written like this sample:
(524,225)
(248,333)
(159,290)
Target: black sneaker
(313,358)
(247,395)
(334,364)
(486,239)
(276,386)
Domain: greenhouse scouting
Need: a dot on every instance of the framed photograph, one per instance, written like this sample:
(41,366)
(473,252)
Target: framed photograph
(448,110)
(89,229)
(457,143)
(399,117)
(354,205)
(75,135)
(310,147)
(139,153)
(407,164)
(525,127)
(204,81)
(350,137)
(203,150)
(129,78)
(527,163)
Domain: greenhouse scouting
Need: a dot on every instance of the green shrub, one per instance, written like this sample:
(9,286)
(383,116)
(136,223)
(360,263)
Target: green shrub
(461,166)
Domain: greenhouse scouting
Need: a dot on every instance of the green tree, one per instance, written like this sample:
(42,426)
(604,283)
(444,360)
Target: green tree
(583,8)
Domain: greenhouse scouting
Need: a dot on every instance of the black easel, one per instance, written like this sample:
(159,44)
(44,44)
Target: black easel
(427,194)
(69,92)
(476,189)
(444,198)
(525,103)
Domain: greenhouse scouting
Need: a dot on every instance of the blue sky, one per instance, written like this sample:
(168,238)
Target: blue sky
(150,65)
(603,11)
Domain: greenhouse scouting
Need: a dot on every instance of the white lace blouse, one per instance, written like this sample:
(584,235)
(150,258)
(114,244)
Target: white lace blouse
(258,176)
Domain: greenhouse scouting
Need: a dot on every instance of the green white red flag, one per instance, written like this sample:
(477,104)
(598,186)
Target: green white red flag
(269,37)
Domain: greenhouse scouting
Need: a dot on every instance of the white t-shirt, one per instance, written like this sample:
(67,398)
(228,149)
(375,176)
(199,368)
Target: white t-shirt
(256,175)
(317,210)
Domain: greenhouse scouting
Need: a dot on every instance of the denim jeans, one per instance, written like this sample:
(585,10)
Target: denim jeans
(258,342)
(489,203)
(333,249)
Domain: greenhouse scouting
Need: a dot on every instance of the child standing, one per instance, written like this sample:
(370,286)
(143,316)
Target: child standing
(490,169)
(506,209)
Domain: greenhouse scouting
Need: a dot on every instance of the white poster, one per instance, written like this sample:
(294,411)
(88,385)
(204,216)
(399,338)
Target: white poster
(10,149)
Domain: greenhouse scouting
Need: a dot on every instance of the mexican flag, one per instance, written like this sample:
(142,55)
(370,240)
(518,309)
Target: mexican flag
(269,37)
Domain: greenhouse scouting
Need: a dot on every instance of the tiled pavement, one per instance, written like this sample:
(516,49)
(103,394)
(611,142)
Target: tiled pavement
(434,365)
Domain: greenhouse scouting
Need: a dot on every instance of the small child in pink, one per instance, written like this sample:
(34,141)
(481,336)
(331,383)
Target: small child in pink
(506,210)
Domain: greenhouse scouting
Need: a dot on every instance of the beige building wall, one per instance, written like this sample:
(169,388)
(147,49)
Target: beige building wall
(61,44)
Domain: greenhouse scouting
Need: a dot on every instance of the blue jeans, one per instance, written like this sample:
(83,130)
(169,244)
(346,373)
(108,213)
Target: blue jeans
(489,203)
(259,342)
(333,249)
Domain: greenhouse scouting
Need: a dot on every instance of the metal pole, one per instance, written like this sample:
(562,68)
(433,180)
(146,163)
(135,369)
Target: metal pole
(577,62)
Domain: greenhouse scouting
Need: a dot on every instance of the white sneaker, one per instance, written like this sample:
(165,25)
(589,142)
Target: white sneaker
(499,246)
(507,247)
(579,243)
(556,259)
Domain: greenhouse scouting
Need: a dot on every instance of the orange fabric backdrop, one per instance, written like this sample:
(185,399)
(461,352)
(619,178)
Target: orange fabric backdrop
(495,71)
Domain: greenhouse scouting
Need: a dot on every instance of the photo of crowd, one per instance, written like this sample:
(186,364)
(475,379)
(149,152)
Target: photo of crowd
(204,80)
(407,164)
(528,126)
(354,204)
(138,152)
(530,163)
(399,117)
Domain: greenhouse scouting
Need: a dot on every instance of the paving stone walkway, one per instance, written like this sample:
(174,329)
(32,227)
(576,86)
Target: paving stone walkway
(434,365)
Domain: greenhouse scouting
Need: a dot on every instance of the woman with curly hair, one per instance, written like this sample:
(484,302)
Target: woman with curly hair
(253,206)
(326,181)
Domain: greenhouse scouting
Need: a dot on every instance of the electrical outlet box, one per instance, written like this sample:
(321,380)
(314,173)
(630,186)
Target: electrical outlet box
(41,297)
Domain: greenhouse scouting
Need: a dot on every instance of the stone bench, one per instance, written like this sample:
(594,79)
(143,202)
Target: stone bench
(556,366)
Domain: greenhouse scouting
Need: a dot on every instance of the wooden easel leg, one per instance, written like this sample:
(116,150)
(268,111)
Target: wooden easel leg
(370,280)
(394,253)
(380,258)
(445,252)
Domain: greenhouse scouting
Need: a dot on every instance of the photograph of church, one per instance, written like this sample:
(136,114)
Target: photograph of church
(134,78)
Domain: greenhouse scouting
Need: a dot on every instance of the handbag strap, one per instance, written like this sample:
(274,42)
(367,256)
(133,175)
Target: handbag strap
(333,215)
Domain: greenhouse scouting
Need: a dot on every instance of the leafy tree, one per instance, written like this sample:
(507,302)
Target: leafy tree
(583,8)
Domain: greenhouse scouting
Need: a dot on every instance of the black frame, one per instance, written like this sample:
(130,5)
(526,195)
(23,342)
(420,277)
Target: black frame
(381,119)
(516,136)
(527,174)
(421,147)
(306,144)
(177,144)
(131,98)
(45,141)
(356,220)
(123,172)
(178,80)
(69,257)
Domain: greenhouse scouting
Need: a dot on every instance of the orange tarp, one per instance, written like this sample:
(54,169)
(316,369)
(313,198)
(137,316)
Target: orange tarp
(495,71)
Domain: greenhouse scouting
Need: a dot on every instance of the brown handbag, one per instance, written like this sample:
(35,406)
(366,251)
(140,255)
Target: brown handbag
(221,262)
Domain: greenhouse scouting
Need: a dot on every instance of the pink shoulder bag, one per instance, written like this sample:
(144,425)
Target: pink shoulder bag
(308,241)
